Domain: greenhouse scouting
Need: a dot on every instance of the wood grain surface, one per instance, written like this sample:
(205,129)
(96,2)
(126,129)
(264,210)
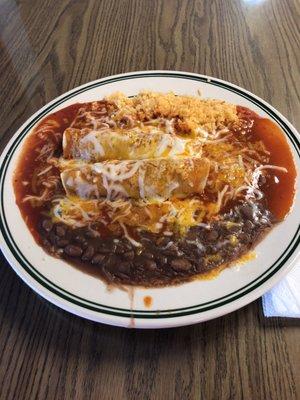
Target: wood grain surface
(49,47)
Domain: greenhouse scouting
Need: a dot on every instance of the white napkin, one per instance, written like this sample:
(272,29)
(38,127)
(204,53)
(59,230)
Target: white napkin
(284,299)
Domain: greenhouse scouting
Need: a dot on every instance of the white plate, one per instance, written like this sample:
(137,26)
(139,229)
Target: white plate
(185,304)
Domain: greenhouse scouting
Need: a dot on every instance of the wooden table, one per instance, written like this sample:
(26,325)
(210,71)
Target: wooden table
(49,47)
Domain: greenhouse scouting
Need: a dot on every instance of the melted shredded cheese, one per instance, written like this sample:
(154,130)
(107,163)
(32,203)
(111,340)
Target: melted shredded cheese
(91,138)
(128,237)
(175,126)
(119,171)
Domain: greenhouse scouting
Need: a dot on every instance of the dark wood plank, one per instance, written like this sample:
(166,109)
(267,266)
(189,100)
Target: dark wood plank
(49,47)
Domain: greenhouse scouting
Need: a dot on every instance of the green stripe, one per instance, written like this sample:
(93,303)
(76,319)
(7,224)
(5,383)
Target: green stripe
(149,314)
(142,313)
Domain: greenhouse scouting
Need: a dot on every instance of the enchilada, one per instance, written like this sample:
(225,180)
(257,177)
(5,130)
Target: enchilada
(108,144)
(153,189)
(145,179)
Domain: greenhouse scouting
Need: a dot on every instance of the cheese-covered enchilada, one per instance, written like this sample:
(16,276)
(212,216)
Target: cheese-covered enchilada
(108,144)
(153,189)
(145,179)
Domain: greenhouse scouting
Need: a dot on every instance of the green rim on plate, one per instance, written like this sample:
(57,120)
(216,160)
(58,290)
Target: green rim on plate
(123,312)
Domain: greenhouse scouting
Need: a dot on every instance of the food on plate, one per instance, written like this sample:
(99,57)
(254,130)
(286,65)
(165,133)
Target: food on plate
(103,144)
(153,189)
(137,179)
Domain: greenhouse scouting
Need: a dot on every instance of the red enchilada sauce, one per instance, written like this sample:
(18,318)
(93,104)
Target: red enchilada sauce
(118,256)
(279,192)
(54,126)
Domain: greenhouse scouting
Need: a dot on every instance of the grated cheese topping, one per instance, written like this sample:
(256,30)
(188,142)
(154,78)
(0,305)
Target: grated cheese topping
(190,112)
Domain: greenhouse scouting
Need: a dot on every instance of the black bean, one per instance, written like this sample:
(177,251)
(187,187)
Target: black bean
(171,250)
(47,225)
(192,235)
(120,249)
(129,255)
(181,264)
(104,249)
(139,250)
(60,230)
(162,260)
(84,245)
(192,248)
(111,261)
(211,249)
(248,226)
(88,253)
(212,235)
(198,252)
(247,211)
(138,260)
(46,242)
(127,245)
(185,246)
(124,267)
(150,264)
(123,276)
(98,259)
(62,242)
(91,234)
(199,265)
(245,237)
(80,239)
(148,255)
(113,247)
(107,275)
(53,238)
(73,251)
